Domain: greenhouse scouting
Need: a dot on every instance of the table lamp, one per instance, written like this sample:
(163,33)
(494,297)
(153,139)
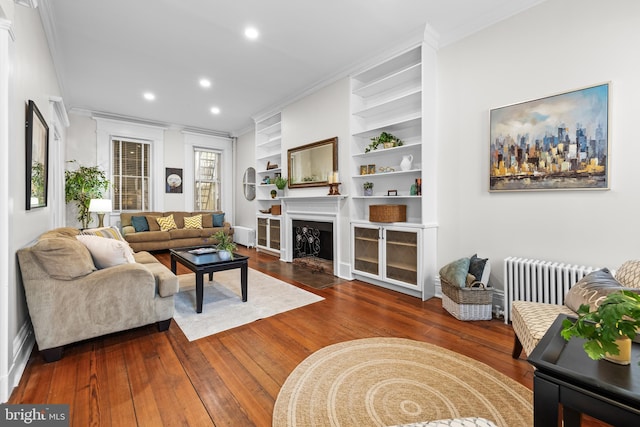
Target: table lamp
(100,206)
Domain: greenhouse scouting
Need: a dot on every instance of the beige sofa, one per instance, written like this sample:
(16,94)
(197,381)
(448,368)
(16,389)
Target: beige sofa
(155,239)
(70,299)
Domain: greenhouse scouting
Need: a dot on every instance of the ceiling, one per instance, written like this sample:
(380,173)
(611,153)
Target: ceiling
(108,53)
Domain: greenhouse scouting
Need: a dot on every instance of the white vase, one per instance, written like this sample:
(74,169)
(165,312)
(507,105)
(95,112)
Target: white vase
(407,162)
(224,255)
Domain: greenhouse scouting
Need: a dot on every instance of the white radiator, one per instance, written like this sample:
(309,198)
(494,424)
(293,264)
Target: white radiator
(538,281)
(244,235)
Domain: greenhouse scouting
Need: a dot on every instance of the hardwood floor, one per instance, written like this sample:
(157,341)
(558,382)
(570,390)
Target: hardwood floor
(148,378)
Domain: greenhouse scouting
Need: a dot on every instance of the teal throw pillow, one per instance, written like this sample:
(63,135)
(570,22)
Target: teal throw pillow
(140,223)
(218,220)
(455,273)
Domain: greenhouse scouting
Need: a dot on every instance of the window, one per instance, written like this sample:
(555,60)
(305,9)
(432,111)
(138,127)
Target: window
(207,180)
(130,179)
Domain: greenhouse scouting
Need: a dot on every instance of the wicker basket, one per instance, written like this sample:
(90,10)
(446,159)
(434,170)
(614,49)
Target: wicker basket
(387,213)
(467,303)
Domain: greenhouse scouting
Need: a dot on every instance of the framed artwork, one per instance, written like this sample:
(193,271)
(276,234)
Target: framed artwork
(37,156)
(560,142)
(173,180)
(371,169)
(364,170)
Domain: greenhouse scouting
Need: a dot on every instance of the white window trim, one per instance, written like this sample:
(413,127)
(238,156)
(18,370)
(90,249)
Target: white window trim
(108,129)
(221,144)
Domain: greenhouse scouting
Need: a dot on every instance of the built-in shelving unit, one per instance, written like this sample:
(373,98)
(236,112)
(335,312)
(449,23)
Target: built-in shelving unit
(268,154)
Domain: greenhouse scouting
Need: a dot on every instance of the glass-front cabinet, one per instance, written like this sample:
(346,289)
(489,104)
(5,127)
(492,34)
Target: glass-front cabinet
(387,253)
(268,235)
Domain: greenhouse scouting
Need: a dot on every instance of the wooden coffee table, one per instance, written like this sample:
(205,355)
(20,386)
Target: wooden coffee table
(209,262)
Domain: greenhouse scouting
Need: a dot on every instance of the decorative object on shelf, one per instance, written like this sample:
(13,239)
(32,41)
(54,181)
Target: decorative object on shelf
(333,177)
(549,165)
(386,169)
(418,186)
(173,180)
(368,188)
(266,180)
(265,211)
(37,153)
(392,192)
(385,139)
(225,245)
(273,193)
(271,166)
(371,169)
(276,209)
(364,170)
(82,185)
(333,189)
(609,329)
(100,206)
(281,182)
(388,213)
(407,162)
(414,189)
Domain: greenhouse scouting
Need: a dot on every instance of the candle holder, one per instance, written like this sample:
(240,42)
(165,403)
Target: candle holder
(333,189)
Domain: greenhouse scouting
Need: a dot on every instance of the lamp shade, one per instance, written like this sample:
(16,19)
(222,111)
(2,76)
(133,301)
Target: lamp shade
(100,205)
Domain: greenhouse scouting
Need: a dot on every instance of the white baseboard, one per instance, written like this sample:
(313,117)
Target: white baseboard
(23,343)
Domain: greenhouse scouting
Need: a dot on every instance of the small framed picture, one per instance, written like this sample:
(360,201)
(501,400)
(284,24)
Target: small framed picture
(364,170)
(392,192)
(371,169)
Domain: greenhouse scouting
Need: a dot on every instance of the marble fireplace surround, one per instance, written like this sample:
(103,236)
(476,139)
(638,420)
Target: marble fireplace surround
(313,208)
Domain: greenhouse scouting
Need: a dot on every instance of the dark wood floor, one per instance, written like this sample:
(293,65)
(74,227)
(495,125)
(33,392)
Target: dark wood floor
(147,378)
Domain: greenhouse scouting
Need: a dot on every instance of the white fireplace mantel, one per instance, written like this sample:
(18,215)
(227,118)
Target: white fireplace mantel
(312,208)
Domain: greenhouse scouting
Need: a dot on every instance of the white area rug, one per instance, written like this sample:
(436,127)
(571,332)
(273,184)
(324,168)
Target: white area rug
(222,306)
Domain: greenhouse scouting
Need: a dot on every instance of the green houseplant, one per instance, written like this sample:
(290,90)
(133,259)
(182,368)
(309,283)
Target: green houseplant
(386,139)
(281,182)
(225,245)
(81,185)
(368,188)
(616,318)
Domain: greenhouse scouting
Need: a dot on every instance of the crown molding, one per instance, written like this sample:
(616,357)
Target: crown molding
(28,3)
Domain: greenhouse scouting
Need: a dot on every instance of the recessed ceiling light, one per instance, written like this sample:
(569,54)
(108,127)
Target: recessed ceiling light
(205,82)
(149,96)
(215,110)
(251,33)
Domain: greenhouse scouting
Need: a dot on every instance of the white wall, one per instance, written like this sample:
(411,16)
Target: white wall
(245,157)
(556,46)
(32,76)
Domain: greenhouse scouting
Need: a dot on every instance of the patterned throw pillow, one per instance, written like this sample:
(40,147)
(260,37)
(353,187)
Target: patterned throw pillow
(592,289)
(166,223)
(193,221)
(108,232)
(140,223)
(629,274)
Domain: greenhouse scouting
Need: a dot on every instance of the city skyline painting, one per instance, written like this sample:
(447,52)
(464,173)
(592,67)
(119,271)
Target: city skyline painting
(552,143)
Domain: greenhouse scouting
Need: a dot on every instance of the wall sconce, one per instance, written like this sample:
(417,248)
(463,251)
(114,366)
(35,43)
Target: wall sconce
(100,206)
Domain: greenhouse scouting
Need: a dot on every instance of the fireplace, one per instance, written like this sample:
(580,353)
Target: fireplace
(312,239)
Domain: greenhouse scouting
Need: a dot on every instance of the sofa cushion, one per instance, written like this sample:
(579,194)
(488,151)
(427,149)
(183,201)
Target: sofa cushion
(455,273)
(152,220)
(144,257)
(629,274)
(178,217)
(60,232)
(107,252)
(592,289)
(140,223)
(149,236)
(63,258)
(191,222)
(166,223)
(166,281)
(184,233)
(218,219)
(207,221)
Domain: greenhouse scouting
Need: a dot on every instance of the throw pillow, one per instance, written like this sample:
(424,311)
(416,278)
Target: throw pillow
(476,266)
(592,289)
(166,223)
(153,223)
(63,258)
(629,274)
(207,221)
(455,273)
(193,222)
(108,232)
(218,220)
(107,252)
(140,223)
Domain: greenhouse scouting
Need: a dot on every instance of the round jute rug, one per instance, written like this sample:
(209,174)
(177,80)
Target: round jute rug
(389,381)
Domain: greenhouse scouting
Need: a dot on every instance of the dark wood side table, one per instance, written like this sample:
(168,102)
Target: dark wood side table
(566,376)
(202,264)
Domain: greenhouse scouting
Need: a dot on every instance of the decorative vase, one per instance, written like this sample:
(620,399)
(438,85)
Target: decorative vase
(407,162)
(388,144)
(368,191)
(274,193)
(224,255)
(624,357)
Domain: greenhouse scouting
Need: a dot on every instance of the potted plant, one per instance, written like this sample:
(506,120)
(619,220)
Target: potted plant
(609,329)
(281,182)
(386,139)
(225,245)
(81,185)
(368,188)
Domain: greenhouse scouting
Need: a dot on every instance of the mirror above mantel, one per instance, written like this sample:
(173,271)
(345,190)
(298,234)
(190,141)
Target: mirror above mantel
(312,165)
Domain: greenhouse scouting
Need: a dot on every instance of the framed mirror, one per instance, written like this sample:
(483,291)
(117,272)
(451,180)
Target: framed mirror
(37,155)
(249,183)
(311,165)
